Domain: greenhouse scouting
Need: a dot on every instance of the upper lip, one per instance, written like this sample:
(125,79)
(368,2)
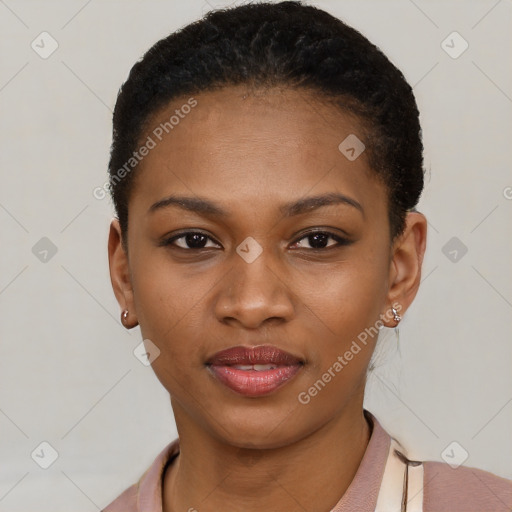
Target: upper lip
(262,354)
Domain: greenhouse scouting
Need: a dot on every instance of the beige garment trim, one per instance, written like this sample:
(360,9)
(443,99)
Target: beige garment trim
(401,489)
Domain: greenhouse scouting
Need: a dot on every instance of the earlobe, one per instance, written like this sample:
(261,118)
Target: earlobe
(406,263)
(120,271)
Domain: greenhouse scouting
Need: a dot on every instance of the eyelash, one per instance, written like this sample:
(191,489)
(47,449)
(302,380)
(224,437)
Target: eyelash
(340,241)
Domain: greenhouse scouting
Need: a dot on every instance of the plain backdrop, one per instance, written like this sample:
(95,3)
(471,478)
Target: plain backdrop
(68,375)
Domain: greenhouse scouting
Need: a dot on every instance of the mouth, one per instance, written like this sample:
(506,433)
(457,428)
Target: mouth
(254,371)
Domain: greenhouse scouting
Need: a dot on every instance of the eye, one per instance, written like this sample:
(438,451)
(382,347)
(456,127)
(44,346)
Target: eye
(196,240)
(318,240)
(190,240)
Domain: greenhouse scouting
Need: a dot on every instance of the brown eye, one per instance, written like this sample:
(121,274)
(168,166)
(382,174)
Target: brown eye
(318,240)
(190,240)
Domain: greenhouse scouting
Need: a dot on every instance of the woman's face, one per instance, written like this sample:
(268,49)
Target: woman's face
(259,159)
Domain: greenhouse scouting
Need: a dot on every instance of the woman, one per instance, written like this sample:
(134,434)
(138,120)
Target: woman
(265,168)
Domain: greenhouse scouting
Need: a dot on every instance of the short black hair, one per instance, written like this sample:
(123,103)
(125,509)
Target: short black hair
(265,45)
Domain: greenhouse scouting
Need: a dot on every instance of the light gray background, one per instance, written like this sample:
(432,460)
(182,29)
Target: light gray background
(67,372)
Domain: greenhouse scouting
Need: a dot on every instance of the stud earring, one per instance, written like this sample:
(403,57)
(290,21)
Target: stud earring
(396,316)
(124,315)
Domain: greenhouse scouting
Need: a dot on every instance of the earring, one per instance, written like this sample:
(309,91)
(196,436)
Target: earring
(124,315)
(396,316)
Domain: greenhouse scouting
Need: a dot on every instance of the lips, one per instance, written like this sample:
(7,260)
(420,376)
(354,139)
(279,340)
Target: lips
(261,355)
(254,371)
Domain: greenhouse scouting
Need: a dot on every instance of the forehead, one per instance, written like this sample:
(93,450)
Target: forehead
(252,145)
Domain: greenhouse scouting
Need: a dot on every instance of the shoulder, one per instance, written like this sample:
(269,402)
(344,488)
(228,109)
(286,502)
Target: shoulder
(125,502)
(147,492)
(463,489)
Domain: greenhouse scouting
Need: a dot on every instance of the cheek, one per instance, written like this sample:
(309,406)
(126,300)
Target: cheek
(168,303)
(348,295)
(168,307)
(341,322)
(341,314)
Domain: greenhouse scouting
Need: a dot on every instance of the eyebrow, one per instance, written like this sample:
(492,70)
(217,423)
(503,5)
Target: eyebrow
(207,207)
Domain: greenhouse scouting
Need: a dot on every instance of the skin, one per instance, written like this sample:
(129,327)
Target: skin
(250,152)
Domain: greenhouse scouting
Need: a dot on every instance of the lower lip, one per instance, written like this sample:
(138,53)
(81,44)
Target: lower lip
(254,382)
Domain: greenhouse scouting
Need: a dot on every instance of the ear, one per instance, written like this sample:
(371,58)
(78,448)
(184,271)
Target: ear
(405,266)
(120,273)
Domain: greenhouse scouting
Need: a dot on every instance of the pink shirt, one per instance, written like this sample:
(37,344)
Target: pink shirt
(462,489)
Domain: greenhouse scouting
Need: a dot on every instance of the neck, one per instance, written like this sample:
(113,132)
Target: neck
(211,475)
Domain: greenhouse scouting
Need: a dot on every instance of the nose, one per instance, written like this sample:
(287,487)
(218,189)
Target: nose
(255,293)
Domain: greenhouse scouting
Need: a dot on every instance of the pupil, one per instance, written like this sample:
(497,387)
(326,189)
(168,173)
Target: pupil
(195,240)
(318,240)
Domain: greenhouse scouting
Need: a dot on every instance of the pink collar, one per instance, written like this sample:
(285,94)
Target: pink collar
(361,494)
